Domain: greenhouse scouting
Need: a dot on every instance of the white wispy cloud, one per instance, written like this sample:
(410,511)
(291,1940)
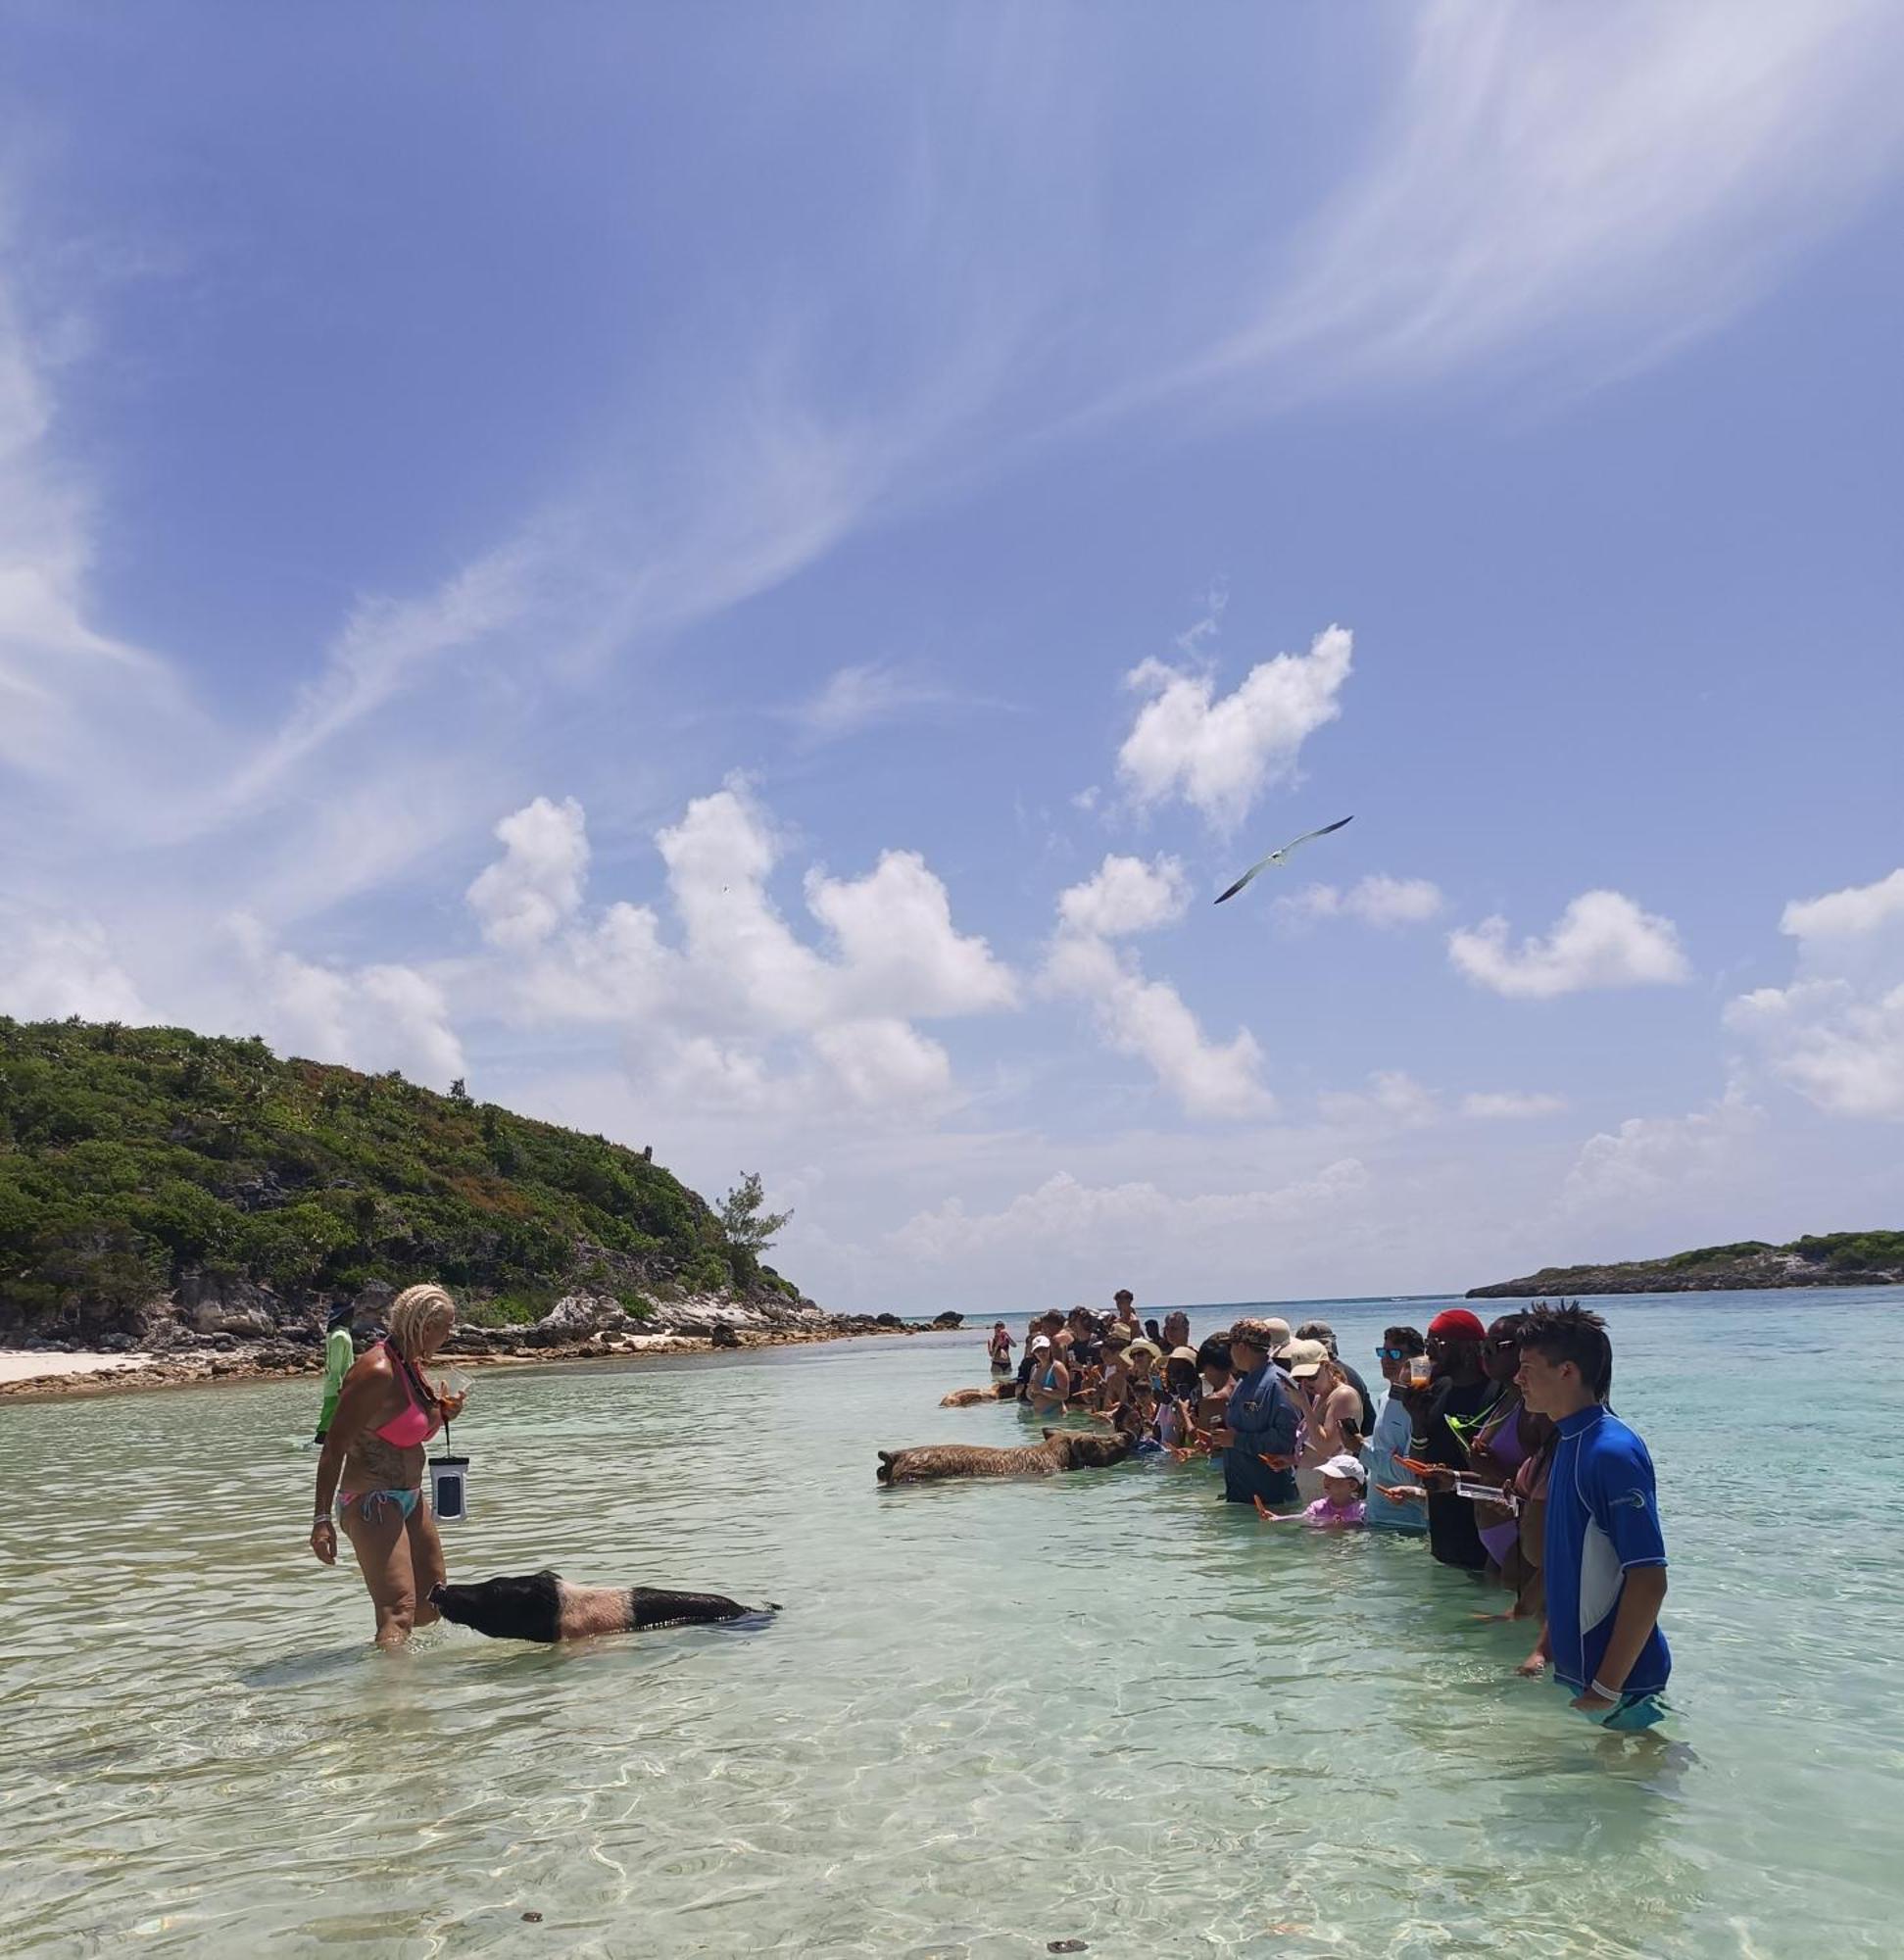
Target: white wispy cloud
(1510,1104)
(1602,940)
(1648,1158)
(1578,183)
(1836,1034)
(872,694)
(390,644)
(83,712)
(1135,1222)
(1377,900)
(1220,752)
(1392,1099)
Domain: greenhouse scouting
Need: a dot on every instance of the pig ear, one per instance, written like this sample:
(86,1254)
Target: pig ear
(1049,1434)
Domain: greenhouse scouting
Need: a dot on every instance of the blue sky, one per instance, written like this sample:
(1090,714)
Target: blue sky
(741,578)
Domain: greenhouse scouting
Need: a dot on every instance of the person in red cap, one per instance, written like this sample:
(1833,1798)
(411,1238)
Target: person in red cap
(1446,1417)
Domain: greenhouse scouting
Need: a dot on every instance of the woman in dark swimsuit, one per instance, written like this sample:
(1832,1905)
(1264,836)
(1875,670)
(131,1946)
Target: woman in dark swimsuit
(372,1464)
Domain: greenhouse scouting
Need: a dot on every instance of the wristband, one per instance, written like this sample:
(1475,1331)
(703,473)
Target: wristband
(1605,1692)
(323,1518)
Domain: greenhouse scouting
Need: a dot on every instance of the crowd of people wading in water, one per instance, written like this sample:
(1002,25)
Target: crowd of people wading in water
(1494,1442)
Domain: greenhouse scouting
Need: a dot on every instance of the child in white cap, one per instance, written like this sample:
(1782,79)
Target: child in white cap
(1345,1487)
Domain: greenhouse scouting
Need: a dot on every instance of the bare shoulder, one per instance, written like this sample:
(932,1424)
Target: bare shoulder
(372,1365)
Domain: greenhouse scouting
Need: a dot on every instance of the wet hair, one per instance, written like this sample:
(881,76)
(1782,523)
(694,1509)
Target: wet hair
(412,1311)
(1407,1339)
(1571,1333)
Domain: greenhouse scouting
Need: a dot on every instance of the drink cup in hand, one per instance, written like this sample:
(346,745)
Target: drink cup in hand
(451,1388)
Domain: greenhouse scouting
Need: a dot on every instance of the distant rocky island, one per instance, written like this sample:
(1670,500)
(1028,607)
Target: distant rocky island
(1830,1260)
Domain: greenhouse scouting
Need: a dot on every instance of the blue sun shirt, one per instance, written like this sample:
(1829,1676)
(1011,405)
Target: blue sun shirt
(1602,1522)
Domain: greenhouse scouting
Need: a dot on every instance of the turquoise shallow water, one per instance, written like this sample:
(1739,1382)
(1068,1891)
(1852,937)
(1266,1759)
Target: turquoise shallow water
(1101,1707)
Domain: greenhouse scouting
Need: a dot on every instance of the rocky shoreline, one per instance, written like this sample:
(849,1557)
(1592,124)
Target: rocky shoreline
(196,1340)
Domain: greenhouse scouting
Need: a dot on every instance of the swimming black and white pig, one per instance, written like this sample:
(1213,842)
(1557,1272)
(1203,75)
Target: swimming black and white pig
(545,1606)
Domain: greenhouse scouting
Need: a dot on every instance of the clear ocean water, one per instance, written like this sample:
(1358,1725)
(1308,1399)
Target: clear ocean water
(1101,1708)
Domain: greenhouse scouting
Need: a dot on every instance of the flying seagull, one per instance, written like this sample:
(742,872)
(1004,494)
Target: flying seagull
(1282,857)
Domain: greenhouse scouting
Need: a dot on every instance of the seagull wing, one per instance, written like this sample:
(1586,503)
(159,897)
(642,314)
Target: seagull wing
(1278,857)
(1260,864)
(1309,835)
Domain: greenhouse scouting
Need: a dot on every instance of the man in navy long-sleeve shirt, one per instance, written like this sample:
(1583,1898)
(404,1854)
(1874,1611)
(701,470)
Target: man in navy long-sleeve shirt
(1260,1421)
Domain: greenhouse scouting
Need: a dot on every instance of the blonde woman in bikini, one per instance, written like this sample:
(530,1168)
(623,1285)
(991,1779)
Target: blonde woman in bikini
(372,1464)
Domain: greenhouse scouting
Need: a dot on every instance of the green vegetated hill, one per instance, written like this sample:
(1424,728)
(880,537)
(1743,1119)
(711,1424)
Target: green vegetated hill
(1830,1259)
(133,1157)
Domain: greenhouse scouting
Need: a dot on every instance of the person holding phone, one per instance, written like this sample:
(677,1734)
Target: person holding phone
(373,1465)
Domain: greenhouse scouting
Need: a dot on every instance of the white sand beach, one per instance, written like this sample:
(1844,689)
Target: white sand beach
(18,1366)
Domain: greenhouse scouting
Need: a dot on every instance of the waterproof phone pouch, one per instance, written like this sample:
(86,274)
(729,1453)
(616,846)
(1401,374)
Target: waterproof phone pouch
(1486,1494)
(450,1489)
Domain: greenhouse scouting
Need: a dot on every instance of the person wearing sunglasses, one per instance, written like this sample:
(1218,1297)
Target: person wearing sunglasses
(1512,1436)
(1388,1439)
(1446,1416)
(1320,1330)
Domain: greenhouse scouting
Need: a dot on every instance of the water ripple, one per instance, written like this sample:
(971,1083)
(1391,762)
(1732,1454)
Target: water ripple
(1102,1707)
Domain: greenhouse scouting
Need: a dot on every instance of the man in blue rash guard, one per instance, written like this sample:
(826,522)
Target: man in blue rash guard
(1260,1421)
(1606,1566)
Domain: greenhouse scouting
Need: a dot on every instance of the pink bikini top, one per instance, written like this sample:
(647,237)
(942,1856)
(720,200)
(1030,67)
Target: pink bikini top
(414,1424)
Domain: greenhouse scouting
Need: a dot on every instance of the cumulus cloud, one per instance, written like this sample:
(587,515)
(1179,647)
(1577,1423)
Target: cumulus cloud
(368,1017)
(1121,1220)
(1836,1034)
(1377,900)
(899,948)
(1219,754)
(1509,1105)
(883,1061)
(1393,1099)
(1651,1157)
(1124,896)
(51,968)
(738,1010)
(537,882)
(1847,915)
(1140,1016)
(1602,940)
